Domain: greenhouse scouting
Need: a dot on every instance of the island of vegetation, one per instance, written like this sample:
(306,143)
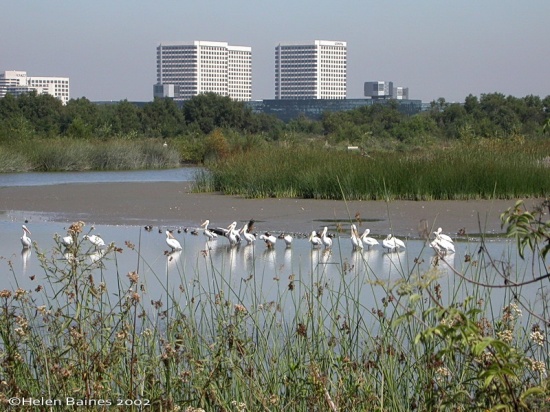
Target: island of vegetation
(494,146)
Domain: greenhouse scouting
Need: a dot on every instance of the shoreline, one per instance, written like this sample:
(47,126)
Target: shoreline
(173,203)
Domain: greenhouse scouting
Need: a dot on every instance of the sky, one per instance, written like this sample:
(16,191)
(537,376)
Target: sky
(436,48)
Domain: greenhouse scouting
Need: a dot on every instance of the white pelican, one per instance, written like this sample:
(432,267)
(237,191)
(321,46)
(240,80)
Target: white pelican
(269,240)
(172,241)
(392,243)
(442,245)
(369,241)
(249,237)
(233,235)
(287,238)
(442,235)
(314,239)
(25,240)
(207,232)
(355,238)
(327,240)
(95,240)
(67,241)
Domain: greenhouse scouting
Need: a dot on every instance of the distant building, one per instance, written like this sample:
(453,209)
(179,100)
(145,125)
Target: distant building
(385,90)
(311,71)
(17,82)
(185,70)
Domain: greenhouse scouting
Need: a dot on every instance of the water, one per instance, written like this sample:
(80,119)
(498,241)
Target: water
(184,174)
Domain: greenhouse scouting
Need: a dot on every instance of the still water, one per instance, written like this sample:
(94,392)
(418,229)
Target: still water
(248,273)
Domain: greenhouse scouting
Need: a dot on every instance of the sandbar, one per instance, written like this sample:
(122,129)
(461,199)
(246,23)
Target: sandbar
(174,204)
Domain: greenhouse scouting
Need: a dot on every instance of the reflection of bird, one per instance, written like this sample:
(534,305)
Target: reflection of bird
(207,232)
(442,235)
(95,240)
(269,239)
(392,243)
(287,238)
(25,256)
(356,241)
(367,240)
(314,239)
(249,237)
(25,240)
(172,242)
(442,245)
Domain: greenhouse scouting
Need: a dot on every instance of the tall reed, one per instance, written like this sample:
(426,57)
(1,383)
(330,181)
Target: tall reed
(486,169)
(213,344)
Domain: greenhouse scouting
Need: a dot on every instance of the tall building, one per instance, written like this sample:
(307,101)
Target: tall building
(311,71)
(385,90)
(185,70)
(17,82)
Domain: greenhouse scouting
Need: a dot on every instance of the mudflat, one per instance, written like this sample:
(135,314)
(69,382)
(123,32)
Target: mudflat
(169,203)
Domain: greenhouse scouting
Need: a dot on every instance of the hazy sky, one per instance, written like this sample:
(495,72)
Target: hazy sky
(436,48)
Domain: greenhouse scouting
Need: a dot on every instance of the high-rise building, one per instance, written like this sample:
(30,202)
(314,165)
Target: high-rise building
(17,82)
(311,71)
(385,90)
(185,70)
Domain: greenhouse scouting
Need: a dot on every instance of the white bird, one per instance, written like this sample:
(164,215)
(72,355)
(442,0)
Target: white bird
(25,240)
(442,235)
(355,238)
(233,235)
(207,232)
(287,239)
(314,239)
(172,241)
(67,241)
(392,243)
(249,237)
(442,246)
(95,240)
(369,241)
(327,240)
(269,240)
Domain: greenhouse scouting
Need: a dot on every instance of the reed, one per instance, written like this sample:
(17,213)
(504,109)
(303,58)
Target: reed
(481,170)
(431,342)
(64,154)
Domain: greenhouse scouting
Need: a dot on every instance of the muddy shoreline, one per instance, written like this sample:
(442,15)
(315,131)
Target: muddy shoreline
(173,203)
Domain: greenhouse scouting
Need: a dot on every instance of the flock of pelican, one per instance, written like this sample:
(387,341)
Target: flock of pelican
(442,243)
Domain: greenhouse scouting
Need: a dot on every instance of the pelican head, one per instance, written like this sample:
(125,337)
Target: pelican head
(312,235)
(26,230)
(205,223)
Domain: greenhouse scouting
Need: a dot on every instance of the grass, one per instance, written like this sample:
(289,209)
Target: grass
(318,346)
(482,169)
(63,154)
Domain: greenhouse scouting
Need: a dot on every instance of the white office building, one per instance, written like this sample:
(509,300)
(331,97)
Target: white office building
(311,71)
(185,70)
(18,82)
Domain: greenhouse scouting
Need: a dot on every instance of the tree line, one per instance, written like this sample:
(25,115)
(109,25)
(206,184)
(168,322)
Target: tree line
(491,115)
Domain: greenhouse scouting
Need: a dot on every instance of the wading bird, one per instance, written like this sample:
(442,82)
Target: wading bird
(249,237)
(25,240)
(392,243)
(95,240)
(172,242)
(326,239)
(287,239)
(314,239)
(269,240)
(356,241)
(369,241)
(67,241)
(442,235)
(442,246)
(207,232)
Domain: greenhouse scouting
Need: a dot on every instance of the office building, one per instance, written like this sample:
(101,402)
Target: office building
(185,70)
(18,82)
(311,71)
(385,90)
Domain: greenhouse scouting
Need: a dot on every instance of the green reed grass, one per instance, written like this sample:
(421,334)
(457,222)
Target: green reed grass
(480,170)
(212,344)
(64,154)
